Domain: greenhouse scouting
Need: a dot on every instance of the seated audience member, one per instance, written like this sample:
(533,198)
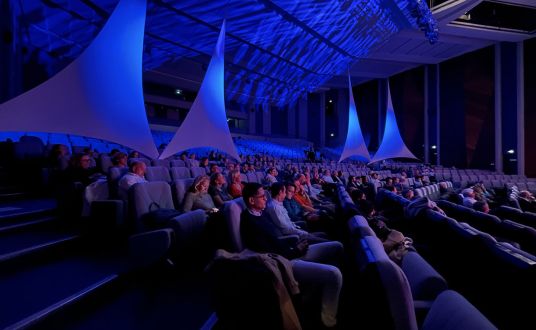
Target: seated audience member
(204,164)
(419,204)
(197,196)
(352,184)
(338,177)
(134,154)
(443,191)
(357,195)
(214,168)
(391,188)
(79,170)
(310,264)
(135,175)
(397,184)
(192,161)
(229,167)
(481,206)
(468,197)
(235,187)
(59,157)
(326,177)
(294,209)
(526,200)
(120,160)
(281,218)
(217,189)
(270,177)
(408,194)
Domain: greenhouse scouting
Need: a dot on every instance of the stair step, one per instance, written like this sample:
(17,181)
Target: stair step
(23,244)
(28,224)
(33,291)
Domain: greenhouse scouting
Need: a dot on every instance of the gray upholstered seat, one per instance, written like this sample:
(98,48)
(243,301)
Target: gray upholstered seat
(157,173)
(180,172)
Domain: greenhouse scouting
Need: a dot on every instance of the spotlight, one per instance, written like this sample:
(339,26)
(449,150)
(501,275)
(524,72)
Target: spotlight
(330,101)
(434,147)
(511,151)
(178,91)
(332,135)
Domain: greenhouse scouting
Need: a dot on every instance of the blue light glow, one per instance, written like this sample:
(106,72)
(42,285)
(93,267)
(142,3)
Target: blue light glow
(355,144)
(392,145)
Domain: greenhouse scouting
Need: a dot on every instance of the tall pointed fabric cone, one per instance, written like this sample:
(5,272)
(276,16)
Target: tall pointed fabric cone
(98,95)
(355,143)
(206,123)
(392,145)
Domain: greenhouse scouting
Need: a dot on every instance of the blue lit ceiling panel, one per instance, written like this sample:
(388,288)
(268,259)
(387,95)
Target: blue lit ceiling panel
(276,50)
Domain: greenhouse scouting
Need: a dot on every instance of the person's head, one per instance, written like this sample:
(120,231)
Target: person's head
(230,166)
(358,195)
(113,152)
(192,156)
(390,188)
(214,168)
(443,187)
(120,159)
(254,197)
(184,156)
(200,184)
(217,179)
(389,182)
(251,167)
(525,194)
(204,161)
(278,191)
(134,154)
(272,171)
(327,173)
(481,206)
(84,161)
(366,208)
(137,167)
(235,176)
(408,194)
(291,190)
(468,192)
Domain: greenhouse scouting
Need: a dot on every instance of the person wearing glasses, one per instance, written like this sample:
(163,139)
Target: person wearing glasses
(315,264)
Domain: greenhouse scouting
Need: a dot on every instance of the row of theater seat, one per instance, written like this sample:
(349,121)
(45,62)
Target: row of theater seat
(411,296)
(431,191)
(497,276)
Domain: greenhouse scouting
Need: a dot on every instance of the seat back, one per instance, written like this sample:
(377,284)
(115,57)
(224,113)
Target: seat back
(197,171)
(178,173)
(157,173)
(180,187)
(425,282)
(232,211)
(160,162)
(143,160)
(451,311)
(189,230)
(114,175)
(105,163)
(143,195)
(252,177)
(178,163)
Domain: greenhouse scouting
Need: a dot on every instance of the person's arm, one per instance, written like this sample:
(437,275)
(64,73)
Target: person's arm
(188,202)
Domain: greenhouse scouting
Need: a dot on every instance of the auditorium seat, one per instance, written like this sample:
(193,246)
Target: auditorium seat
(157,173)
(196,171)
(180,187)
(148,196)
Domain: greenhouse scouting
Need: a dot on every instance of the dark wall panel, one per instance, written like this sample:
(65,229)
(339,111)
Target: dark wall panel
(279,121)
(366,99)
(467,110)
(530,106)
(407,92)
(313,118)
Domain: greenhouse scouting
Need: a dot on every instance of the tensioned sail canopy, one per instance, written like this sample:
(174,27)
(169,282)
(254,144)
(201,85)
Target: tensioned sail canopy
(99,94)
(206,122)
(392,145)
(355,143)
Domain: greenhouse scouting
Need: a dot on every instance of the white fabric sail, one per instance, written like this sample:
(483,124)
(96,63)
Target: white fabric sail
(98,95)
(355,143)
(392,145)
(206,122)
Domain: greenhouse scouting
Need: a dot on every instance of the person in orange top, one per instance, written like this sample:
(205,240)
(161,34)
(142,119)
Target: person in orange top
(236,186)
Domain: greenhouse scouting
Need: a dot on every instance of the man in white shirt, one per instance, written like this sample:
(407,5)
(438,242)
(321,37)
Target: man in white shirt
(279,215)
(135,175)
(270,177)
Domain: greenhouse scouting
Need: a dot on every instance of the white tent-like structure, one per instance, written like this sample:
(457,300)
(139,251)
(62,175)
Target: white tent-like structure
(206,122)
(355,143)
(392,145)
(98,95)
